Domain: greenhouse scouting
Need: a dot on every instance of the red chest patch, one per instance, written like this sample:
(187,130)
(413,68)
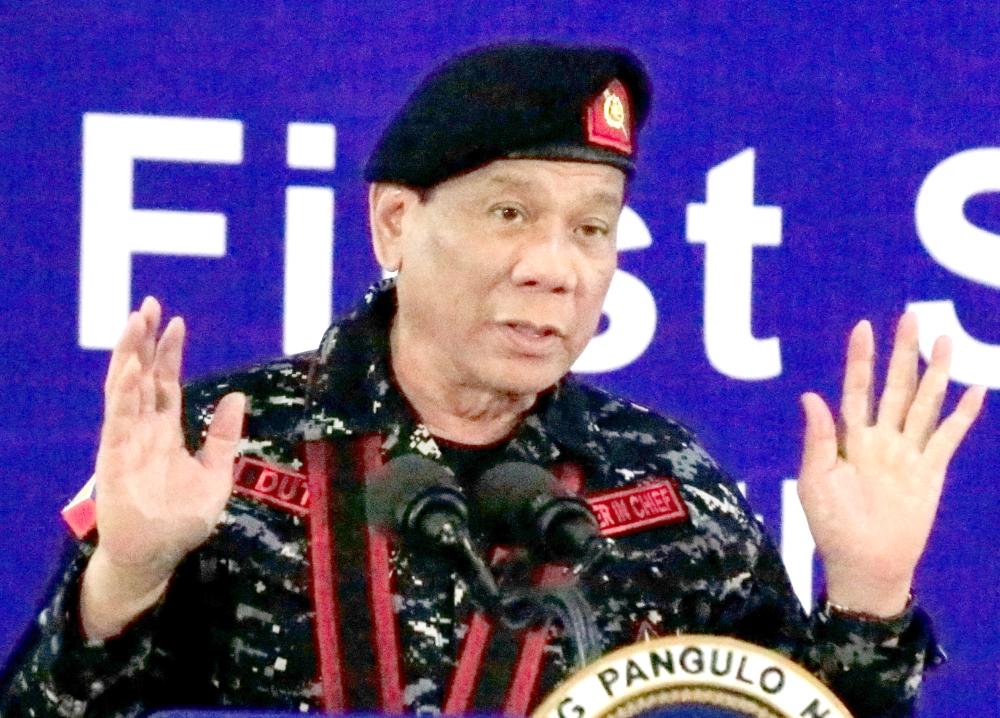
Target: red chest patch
(275,485)
(625,511)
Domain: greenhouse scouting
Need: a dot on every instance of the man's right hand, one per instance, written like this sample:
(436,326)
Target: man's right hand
(155,501)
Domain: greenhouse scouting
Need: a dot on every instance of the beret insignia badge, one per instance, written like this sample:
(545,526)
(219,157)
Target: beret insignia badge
(608,119)
(614,111)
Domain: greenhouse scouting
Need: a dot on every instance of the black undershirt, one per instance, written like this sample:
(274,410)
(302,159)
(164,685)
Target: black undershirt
(469,461)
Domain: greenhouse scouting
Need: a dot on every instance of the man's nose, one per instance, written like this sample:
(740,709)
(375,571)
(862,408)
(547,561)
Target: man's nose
(546,260)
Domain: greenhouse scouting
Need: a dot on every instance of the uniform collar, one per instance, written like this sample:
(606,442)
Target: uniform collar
(352,391)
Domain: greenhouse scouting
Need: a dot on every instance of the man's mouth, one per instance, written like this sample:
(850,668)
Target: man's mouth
(531,340)
(531,330)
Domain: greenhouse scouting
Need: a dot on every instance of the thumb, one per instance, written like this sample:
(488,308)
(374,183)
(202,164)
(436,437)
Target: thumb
(224,433)
(819,444)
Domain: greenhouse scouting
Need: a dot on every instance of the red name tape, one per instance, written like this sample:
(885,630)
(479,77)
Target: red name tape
(275,485)
(625,511)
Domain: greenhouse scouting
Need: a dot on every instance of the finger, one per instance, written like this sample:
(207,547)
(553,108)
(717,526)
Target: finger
(122,405)
(147,390)
(150,313)
(945,440)
(819,446)
(224,433)
(855,402)
(167,367)
(922,418)
(901,378)
(127,347)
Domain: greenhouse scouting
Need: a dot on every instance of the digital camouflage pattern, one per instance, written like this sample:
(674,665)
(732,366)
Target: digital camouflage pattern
(236,627)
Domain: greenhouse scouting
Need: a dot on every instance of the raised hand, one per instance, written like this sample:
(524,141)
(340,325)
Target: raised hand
(870,491)
(155,501)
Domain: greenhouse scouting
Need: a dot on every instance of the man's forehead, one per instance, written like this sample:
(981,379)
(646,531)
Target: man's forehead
(591,181)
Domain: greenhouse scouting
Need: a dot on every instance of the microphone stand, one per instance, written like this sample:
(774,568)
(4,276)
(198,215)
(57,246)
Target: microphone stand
(567,606)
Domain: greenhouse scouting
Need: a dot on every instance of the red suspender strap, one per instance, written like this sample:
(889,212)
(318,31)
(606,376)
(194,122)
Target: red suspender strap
(529,659)
(470,658)
(385,633)
(570,476)
(319,468)
(470,661)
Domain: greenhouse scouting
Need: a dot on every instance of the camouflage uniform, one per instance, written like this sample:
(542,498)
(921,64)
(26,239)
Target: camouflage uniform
(236,625)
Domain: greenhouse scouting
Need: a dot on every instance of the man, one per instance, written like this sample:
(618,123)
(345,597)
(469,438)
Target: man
(495,197)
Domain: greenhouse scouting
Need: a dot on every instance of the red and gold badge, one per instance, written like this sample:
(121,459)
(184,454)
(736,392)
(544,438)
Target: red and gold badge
(608,119)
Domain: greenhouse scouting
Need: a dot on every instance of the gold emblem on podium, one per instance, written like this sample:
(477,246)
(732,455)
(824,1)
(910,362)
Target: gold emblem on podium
(692,675)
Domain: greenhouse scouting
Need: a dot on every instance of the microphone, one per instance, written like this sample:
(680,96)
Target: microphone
(522,503)
(423,504)
(517,502)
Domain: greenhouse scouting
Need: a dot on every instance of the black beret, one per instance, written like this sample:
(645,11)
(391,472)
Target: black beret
(524,100)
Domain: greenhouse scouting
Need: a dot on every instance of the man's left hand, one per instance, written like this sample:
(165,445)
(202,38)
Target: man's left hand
(870,490)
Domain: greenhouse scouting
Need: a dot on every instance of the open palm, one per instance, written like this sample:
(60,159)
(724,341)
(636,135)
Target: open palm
(155,501)
(871,490)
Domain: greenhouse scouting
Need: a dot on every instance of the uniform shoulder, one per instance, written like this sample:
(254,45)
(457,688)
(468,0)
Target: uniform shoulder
(637,444)
(273,389)
(622,419)
(631,435)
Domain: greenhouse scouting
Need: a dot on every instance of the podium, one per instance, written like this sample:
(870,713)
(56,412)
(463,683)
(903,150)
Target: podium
(692,676)
(242,713)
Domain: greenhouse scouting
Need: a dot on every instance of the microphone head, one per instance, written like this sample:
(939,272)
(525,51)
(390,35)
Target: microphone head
(507,496)
(392,492)
(525,504)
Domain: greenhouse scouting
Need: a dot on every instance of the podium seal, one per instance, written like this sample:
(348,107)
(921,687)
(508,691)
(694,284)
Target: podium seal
(692,677)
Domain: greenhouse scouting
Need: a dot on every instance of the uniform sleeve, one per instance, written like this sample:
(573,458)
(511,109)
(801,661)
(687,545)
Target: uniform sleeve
(160,660)
(875,667)
(57,672)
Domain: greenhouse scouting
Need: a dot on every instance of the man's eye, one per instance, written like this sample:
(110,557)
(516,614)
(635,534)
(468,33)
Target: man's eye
(508,213)
(593,231)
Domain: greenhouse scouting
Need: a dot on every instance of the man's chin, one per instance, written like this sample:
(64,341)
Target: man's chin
(526,377)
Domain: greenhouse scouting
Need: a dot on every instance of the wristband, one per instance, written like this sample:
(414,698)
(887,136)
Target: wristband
(845,612)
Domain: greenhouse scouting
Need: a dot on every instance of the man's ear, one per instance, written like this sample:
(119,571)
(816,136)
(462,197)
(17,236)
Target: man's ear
(387,208)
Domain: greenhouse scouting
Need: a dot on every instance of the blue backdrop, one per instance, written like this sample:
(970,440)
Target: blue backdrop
(802,168)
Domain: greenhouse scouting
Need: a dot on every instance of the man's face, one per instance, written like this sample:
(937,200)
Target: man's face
(503,271)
